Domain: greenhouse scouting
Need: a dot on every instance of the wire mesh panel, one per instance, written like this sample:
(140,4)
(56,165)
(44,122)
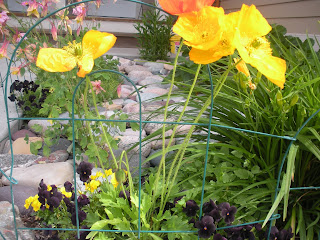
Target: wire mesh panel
(184,197)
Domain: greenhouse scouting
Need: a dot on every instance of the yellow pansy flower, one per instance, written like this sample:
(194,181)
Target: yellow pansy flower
(65,193)
(94,44)
(254,48)
(108,172)
(92,185)
(49,188)
(28,202)
(98,174)
(36,205)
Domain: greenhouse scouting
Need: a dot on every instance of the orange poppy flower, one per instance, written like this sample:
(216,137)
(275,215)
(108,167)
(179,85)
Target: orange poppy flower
(176,7)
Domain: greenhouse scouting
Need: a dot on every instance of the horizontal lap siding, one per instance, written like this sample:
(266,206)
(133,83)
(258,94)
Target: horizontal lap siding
(298,16)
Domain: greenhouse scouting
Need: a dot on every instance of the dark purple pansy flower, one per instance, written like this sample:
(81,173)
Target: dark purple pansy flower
(227,212)
(208,207)
(32,98)
(206,227)
(215,213)
(191,208)
(81,216)
(219,237)
(285,234)
(68,186)
(83,200)
(70,205)
(12,97)
(84,170)
(27,108)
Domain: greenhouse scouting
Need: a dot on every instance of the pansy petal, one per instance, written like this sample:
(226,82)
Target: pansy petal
(97,43)
(201,29)
(183,6)
(273,68)
(85,65)
(55,60)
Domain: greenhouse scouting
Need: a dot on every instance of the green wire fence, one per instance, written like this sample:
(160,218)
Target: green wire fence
(7,79)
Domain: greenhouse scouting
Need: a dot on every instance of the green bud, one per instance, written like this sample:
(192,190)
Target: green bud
(294,100)
(279,98)
(120,176)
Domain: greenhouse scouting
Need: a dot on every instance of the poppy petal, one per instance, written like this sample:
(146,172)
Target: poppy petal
(183,6)
(97,43)
(201,29)
(85,65)
(55,60)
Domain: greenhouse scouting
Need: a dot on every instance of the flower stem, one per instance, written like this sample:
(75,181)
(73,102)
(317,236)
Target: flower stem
(100,123)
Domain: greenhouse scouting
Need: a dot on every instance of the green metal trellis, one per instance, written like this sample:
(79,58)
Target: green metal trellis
(13,181)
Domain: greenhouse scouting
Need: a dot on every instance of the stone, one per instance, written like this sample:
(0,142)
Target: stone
(7,223)
(126,101)
(126,91)
(155,90)
(62,144)
(134,161)
(64,116)
(124,61)
(183,129)
(156,142)
(154,67)
(138,61)
(18,161)
(130,132)
(126,142)
(108,114)
(133,108)
(43,123)
(6,147)
(136,76)
(20,146)
(178,99)
(146,96)
(136,68)
(150,107)
(112,106)
(22,134)
(151,80)
(168,67)
(152,127)
(155,157)
(118,101)
(51,173)
(57,156)
(20,194)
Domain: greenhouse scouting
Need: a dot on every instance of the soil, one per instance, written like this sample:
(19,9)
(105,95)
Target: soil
(32,222)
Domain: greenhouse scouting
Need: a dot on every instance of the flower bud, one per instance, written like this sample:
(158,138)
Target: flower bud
(120,176)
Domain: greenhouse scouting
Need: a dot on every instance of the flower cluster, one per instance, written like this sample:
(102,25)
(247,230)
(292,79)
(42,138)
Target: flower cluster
(212,34)
(28,96)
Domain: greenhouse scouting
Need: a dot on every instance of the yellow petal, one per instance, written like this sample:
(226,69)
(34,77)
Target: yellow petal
(85,65)
(97,43)
(55,60)
(209,56)
(251,22)
(201,29)
(273,68)
(242,67)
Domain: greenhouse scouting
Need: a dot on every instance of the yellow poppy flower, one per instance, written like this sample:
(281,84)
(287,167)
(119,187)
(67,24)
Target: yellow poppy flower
(254,48)
(202,29)
(94,44)
(217,43)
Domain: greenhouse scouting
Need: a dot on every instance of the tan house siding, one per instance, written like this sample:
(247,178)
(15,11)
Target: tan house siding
(298,16)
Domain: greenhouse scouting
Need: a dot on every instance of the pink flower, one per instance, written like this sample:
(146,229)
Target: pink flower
(15,70)
(54,32)
(98,3)
(3,49)
(3,17)
(80,11)
(17,36)
(45,4)
(33,7)
(2,5)
(97,86)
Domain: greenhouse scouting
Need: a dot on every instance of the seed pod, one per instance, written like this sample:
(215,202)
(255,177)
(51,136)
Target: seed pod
(120,176)
(294,100)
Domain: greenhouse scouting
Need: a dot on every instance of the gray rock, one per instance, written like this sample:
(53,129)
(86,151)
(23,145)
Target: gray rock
(62,144)
(154,67)
(130,132)
(51,173)
(156,142)
(136,68)
(20,194)
(151,127)
(134,162)
(6,147)
(155,161)
(7,223)
(43,123)
(22,134)
(151,80)
(146,96)
(126,142)
(18,161)
(136,76)
(133,108)
(57,156)
(155,90)
(138,61)
(66,115)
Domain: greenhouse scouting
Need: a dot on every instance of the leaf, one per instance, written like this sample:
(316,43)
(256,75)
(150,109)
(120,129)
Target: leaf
(46,151)
(255,169)
(37,128)
(35,146)
(310,145)
(243,173)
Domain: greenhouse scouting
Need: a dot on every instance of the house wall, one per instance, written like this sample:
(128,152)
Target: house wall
(298,16)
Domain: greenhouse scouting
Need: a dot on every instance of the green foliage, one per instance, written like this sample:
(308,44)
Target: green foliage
(154,33)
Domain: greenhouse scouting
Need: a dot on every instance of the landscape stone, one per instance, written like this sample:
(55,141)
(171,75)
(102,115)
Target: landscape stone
(7,223)
(20,146)
(168,67)
(51,173)
(126,142)
(151,80)
(133,107)
(113,106)
(155,90)
(57,156)
(44,123)
(146,96)
(136,68)
(62,144)
(136,76)
(20,194)
(126,91)
(154,67)
(152,127)
(18,161)
(157,144)
(130,132)
(22,134)
(6,147)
